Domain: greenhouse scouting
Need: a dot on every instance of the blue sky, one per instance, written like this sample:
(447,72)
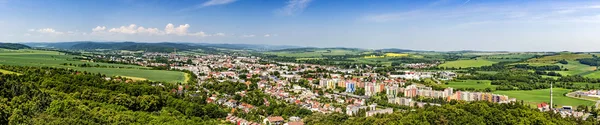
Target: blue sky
(512,25)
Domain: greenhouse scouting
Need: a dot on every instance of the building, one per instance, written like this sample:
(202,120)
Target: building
(273,120)
(350,86)
(382,111)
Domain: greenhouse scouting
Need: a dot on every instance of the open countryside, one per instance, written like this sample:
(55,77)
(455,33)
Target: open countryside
(299,62)
(56,59)
(534,97)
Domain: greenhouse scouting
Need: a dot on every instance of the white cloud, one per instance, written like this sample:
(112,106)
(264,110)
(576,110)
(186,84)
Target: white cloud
(294,7)
(131,29)
(200,34)
(566,11)
(170,29)
(267,35)
(248,35)
(216,2)
(181,30)
(99,28)
(48,31)
(594,7)
(219,34)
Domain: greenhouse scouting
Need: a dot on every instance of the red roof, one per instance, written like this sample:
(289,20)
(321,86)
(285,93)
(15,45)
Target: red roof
(542,105)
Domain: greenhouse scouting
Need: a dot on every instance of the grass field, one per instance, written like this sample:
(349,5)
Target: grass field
(477,84)
(55,59)
(508,57)
(467,63)
(534,97)
(576,68)
(554,58)
(594,74)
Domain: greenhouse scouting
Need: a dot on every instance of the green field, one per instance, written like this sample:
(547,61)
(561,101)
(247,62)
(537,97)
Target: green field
(467,63)
(594,74)
(576,68)
(55,59)
(508,57)
(554,58)
(534,97)
(477,84)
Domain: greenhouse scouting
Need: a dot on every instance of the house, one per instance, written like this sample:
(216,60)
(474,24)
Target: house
(273,120)
(294,123)
(543,107)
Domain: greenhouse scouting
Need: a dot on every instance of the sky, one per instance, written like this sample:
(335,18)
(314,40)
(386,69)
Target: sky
(441,25)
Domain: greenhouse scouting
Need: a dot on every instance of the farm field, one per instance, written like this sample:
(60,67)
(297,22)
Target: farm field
(576,68)
(594,74)
(534,97)
(477,84)
(508,57)
(467,63)
(56,59)
(554,58)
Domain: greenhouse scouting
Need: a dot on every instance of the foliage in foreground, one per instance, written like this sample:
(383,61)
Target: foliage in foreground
(476,113)
(63,96)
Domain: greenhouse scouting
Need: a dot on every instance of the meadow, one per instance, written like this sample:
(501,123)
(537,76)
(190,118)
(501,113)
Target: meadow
(467,63)
(41,58)
(511,57)
(476,84)
(534,97)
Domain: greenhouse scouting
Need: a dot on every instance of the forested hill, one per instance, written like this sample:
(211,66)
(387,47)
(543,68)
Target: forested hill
(66,97)
(13,46)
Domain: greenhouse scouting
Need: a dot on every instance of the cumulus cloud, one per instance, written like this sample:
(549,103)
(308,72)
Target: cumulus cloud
(181,30)
(216,2)
(294,7)
(170,29)
(267,35)
(99,28)
(48,31)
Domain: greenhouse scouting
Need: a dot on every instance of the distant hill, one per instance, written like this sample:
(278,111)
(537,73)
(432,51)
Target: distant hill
(87,45)
(13,46)
(257,47)
(394,50)
(132,46)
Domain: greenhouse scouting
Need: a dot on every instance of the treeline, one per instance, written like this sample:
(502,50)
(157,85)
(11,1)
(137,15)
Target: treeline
(476,113)
(63,96)
(538,68)
(590,61)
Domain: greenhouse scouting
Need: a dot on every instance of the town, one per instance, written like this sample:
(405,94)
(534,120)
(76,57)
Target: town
(317,88)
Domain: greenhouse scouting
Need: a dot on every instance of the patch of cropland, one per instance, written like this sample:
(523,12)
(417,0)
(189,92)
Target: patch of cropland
(39,58)
(510,57)
(534,97)
(467,63)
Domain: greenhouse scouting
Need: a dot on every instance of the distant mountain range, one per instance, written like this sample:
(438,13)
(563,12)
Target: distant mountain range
(159,47)
(13,46)
(181,46)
